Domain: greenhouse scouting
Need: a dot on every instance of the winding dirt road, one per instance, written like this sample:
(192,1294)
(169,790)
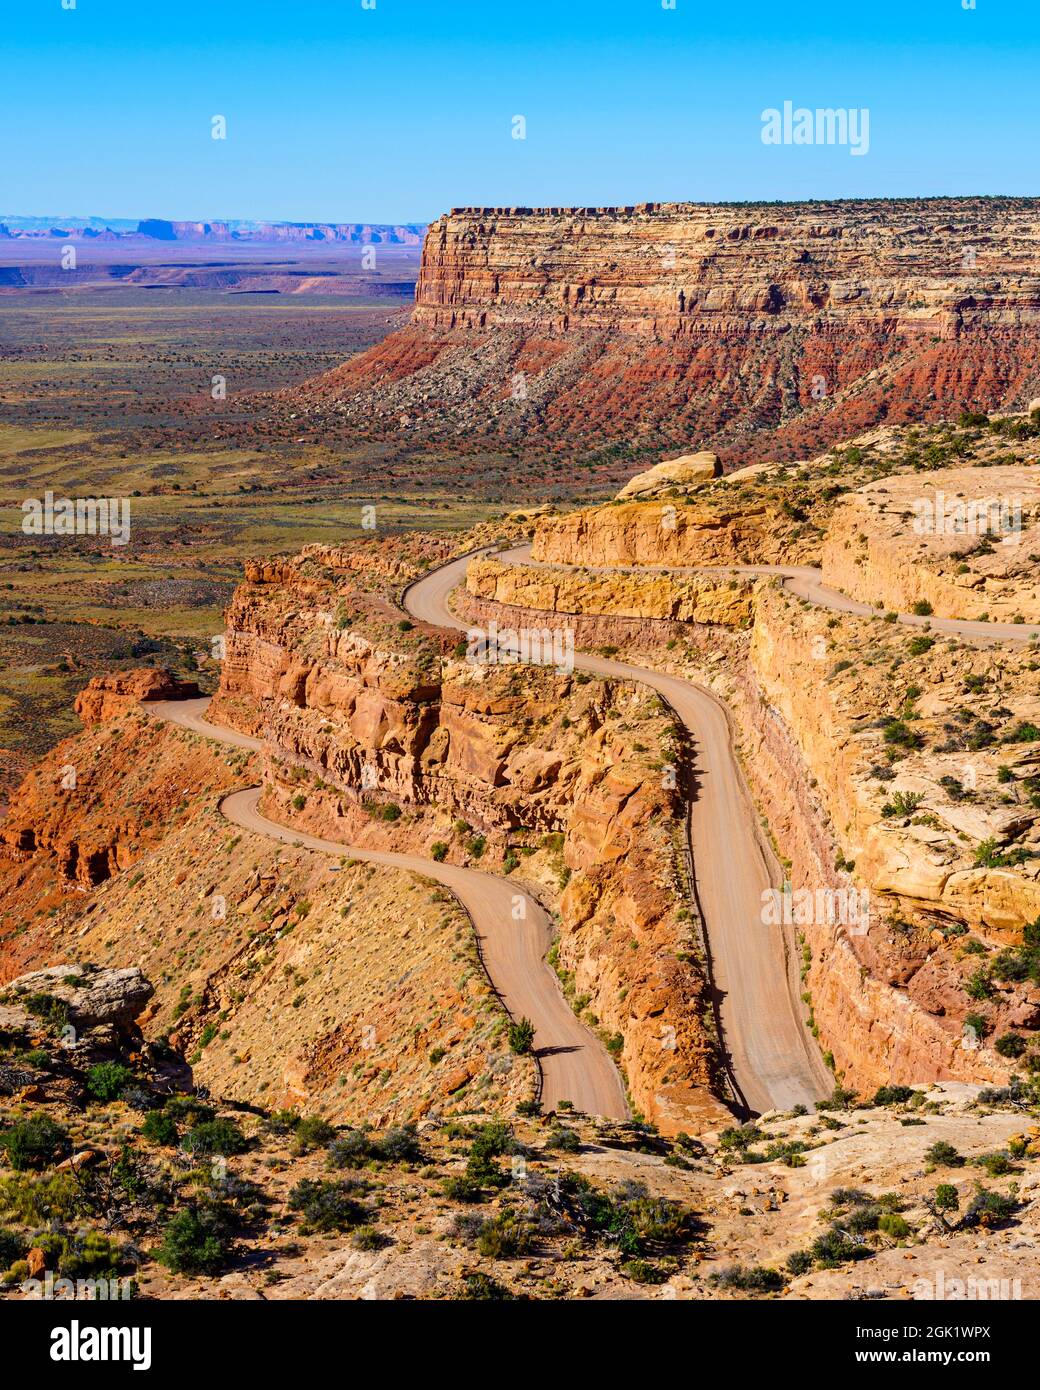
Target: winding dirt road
(773,1060)
(804,582)
(574,1064)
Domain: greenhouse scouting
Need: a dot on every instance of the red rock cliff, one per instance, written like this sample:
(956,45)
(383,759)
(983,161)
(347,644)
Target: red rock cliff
(711,322)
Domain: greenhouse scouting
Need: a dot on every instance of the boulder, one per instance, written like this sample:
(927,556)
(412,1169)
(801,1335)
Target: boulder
(673,475)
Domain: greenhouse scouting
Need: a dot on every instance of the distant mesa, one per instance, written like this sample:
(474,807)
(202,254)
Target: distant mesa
(758,329)
(222,232)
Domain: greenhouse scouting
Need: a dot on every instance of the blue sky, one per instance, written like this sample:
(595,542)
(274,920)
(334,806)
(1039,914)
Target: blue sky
(398,113)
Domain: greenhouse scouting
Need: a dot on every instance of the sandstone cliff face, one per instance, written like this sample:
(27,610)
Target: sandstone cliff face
(106,697)
(659,533)
(98,802)
(676,598)
(964,540)
(717,323)
(891,1002)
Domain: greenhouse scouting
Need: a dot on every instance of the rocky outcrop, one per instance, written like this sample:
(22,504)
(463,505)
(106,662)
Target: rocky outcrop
(361,716)
(672,598)
(963,541)
(110,696)
(672,475)
(91,997)
(660,533)
(751,328)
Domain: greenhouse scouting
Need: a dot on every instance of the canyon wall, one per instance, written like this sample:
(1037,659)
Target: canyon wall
(672,598)
(545,775)
(752,328)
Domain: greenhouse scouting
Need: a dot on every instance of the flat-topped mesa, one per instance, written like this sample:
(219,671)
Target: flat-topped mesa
(671,269)
(765,330)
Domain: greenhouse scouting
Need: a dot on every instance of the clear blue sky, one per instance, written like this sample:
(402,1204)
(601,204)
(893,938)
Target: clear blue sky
(397,113)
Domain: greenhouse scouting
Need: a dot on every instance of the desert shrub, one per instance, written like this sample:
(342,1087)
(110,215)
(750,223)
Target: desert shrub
(328,1206)
(350,1150)
(282,1122)
(439,851)
(160,1128)
(88,1254)
(995,1164)
(53,1012)
(892,1095)
(314,1132)
(37,1200)
(945,1197)
(1010,1045)
(399,1145)
(107,1080)
(476,1285)
(504,1237)
(642,1272)
(35,1142)
(463,1189)
(923,608)
(368,1238)
(749,1279)
(800,1262)
(190,1109)
(943,1155)
(564,1139)
(215,1137)
(521,1036)
(195,1241)
(834,1247)
(740,1137)
(894,1225)
(989,1208)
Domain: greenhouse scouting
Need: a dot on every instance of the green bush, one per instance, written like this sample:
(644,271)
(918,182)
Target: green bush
(314,1132)
(521,1036)
(328,1206)
(894,1225)
(750,1279)
(439,851)
(995,1164)
(215,1137)
(1010,1045)
(195,1241)
(642,1272)
(564,1139)
(399,1145)
(159,1128)
(800,1262)
(477,1285)
(504,1237)
(108,1080)
(945,1197)
(38,1200)
(190,1109)
(943,1155)
(350,1150)
(989,1208)
(34,1143)
(892,1095)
